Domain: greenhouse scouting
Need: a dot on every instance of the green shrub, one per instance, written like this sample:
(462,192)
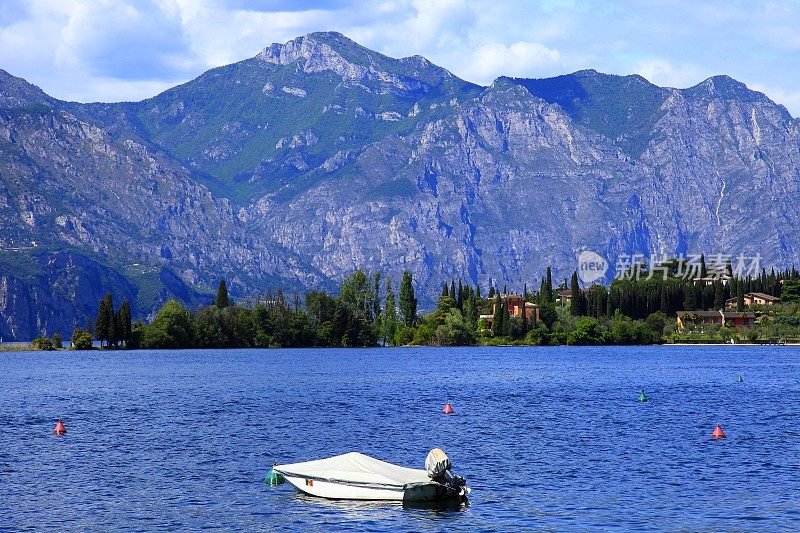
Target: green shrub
(539,335)
(172,328)
(42,343)
(586,332)
(404,335)
(81,340)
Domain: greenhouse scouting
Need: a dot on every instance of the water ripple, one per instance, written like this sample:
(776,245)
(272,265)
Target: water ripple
(551,439)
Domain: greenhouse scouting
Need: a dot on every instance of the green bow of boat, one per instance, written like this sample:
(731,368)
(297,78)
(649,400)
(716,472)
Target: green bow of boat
(273,478)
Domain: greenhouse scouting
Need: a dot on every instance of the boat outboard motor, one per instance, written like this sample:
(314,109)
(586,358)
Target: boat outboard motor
(439,468)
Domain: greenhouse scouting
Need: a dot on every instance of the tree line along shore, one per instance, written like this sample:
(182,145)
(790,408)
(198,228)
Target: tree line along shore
(367,313)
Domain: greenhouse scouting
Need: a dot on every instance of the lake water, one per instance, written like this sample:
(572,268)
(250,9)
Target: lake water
(549,438)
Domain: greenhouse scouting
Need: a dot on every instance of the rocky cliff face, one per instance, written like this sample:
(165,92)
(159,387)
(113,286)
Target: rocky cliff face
(319,156)
(501,186)
(61,293)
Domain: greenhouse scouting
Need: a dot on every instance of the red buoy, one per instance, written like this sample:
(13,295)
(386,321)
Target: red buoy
(448,409)
(718,433)
(60,429)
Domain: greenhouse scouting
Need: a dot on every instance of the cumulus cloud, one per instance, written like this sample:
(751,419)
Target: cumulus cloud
(77,50)
(520,59)
(123,41)
(669,74)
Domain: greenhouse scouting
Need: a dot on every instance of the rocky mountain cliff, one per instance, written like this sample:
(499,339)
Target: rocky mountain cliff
(319,156)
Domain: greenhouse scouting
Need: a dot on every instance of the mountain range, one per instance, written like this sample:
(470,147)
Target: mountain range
(319,156)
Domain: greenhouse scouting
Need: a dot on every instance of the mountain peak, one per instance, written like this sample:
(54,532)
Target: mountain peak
(304,47)
(619,107)
(324,50)
(726,88)
(723,82)
(602,77)
(16,92)
(333,52)
(327,51)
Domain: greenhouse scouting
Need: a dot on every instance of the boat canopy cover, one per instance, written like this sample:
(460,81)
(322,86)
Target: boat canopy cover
(356,467)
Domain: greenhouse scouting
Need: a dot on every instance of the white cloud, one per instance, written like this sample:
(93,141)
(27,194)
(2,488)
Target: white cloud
(438,23)
(220,36)
(87,49)
(520,59)
(115,90)
(122,40)
(665,73)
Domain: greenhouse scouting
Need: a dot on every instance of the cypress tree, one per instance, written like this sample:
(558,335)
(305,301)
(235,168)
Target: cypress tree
(408,302)
(114,330)
(740,297)
(125,322)
(491,291)
(575,301)
(719,296)
(546,288)
(101,324)
(445,292)
(453,294)
(471,310)
(497,318)
(461,297)
(582,303)
(222,295)
(376,295)
(691,296)
(389,314)
(506,329)
(109,319)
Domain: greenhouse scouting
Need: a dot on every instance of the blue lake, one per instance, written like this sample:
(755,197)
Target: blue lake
(549,438)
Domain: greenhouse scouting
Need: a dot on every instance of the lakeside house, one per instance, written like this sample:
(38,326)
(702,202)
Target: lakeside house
(720,318)
(753,298)
(564,297)
(516,305)
(710,280)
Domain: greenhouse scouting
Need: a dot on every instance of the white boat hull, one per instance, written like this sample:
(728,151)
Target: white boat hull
(355,476)
(341,490)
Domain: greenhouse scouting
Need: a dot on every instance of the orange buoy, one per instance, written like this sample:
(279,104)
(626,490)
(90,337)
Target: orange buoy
(60,429)
(448,409)
(718,433)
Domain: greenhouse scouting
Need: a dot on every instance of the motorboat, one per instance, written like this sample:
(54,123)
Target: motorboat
(355,476)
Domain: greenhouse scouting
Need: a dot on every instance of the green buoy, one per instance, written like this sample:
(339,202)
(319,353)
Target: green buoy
(273,478)
(643,397)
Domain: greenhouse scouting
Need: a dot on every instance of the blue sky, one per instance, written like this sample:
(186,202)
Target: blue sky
(109,50)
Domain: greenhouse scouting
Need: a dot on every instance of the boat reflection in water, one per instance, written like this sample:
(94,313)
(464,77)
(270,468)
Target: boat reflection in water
(361,510)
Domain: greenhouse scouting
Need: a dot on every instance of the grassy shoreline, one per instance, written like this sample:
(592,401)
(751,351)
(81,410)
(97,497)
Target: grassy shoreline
(18,348)
(30,348)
